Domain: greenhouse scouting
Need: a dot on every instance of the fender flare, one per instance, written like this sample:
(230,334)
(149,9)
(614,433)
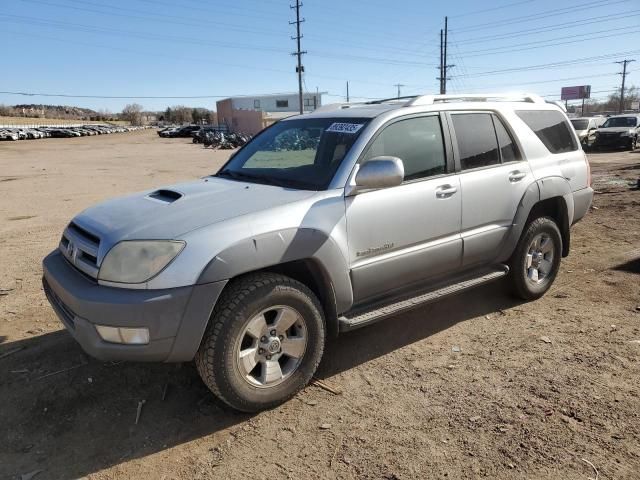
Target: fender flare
(538,191)
(279,247)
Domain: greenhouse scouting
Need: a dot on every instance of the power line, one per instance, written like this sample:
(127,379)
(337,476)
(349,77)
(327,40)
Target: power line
(547,43)
(552,65)
(549,28)
(197,41)
(548,13)
(500,7)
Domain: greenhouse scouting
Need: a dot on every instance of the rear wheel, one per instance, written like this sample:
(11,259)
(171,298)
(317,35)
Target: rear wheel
(536,261)
(264,342)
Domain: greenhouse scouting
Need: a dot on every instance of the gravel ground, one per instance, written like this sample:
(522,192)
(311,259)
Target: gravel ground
(477,385)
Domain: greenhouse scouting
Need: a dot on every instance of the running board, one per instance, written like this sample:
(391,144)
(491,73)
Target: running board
(362,317)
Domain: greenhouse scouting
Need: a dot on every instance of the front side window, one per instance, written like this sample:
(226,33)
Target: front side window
(551,128)
(415,141)
(477,144)
(302,153)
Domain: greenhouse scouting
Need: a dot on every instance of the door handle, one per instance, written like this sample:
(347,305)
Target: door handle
(516,176)
(444,191)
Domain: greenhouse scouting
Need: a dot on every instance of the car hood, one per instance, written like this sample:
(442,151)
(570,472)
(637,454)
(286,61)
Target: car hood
(172,211)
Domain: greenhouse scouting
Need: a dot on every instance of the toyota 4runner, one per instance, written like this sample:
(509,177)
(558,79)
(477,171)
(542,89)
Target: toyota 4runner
(321,224)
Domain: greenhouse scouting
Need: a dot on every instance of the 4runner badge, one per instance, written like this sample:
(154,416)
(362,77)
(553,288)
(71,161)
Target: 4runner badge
(369,251)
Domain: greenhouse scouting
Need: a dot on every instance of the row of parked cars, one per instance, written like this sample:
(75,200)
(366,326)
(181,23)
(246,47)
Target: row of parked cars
(620,131)
(23,133)
(209,136)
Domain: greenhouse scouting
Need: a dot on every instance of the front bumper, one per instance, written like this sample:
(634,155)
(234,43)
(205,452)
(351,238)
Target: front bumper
(176,318)
(611,141)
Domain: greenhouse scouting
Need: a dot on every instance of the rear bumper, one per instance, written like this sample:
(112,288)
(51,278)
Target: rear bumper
(176,318)
(581,202)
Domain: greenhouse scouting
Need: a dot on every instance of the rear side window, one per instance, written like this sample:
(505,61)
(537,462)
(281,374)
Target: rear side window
(508,149)
(551,128)
(476,138)
(417,142)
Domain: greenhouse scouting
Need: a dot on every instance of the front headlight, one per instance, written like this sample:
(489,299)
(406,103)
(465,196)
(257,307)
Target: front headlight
(137,261)
(628,133)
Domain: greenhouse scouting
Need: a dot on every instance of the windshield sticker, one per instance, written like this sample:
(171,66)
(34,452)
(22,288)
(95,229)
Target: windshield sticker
(345,127)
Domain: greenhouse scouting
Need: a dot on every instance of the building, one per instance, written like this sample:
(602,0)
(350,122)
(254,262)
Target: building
(250,114)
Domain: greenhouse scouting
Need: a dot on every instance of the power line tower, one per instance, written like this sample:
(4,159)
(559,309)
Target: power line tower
(444,66)
(624,64)
(299,52)
(398,85)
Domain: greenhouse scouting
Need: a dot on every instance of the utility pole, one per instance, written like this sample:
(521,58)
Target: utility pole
(398,85)
(347,91)
(299,52)
(441,67)
(624,64)
(444,67)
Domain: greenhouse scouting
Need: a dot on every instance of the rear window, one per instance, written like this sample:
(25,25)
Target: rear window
(551,128)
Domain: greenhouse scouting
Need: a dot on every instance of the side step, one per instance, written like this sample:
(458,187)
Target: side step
(368,315)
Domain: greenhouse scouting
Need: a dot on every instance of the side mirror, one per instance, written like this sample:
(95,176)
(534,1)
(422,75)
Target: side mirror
(380,172)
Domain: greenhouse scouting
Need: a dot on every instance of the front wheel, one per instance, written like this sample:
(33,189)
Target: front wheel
(264,342)
(536,261)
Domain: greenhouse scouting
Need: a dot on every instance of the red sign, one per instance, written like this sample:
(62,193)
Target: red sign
(575,93)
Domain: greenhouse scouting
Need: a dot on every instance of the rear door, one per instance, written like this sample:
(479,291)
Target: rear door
(409,233)
(493,178)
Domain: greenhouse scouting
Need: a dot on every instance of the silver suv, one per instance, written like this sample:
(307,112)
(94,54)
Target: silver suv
(323,223)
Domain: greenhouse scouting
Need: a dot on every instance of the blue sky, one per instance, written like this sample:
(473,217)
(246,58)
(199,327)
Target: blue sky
(186,48)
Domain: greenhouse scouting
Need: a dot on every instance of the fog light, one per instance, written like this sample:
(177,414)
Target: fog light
(130,336)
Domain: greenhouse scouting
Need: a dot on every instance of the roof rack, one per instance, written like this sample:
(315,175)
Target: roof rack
(475,97)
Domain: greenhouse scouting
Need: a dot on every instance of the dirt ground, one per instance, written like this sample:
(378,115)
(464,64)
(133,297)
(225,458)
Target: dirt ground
(542,390)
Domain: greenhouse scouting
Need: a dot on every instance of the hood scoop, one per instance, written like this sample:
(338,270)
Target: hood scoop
(165,196)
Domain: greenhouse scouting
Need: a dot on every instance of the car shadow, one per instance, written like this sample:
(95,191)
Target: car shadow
(69,415)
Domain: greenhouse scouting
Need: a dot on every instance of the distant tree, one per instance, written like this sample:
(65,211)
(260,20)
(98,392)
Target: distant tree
(612,103)
(133,113)
(182,114)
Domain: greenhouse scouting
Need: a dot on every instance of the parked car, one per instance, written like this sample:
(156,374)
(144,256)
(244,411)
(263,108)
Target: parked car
(187,131)
(321,224)
(619,131)
(586,129)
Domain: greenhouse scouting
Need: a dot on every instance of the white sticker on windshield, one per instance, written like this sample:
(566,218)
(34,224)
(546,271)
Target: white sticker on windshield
(345,127)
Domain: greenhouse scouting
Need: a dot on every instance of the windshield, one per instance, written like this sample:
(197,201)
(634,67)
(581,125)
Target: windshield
(620,122)
(302,154)
(580,124)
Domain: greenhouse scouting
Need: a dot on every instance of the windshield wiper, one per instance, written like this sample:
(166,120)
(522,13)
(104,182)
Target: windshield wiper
(265,179)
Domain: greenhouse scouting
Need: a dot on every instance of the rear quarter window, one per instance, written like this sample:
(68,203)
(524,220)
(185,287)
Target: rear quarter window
(551,127)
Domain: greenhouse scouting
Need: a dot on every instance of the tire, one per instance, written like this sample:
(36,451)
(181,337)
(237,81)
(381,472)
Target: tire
(248,312)
(535,263)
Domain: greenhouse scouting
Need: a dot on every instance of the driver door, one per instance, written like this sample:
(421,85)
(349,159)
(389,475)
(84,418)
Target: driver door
(406,234)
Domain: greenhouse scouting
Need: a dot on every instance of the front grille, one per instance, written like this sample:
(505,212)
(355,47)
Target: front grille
(80,248)
(608,138)
(68,317)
